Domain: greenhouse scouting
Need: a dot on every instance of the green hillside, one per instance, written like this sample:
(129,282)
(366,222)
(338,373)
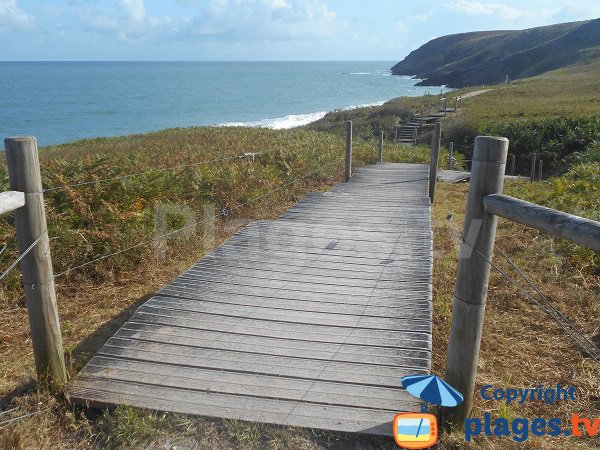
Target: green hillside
(477,58)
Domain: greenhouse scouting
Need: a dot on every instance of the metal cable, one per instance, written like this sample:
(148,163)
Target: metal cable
(15,419)
(157,238)
(12,266)
(5,246)
(168,169)
(576,335)
(592,349)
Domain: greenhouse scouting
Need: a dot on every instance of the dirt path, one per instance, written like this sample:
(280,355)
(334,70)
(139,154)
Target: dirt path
(475,93)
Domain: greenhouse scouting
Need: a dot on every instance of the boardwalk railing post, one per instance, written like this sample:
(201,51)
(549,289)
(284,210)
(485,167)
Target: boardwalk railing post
(533,159)
(479,232)
(380,154)
(512,164)
(435,153)
(396,138)
(38,277)
(348,166)
(450,155)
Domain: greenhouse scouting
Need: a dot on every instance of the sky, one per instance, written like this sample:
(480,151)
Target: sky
(262,30)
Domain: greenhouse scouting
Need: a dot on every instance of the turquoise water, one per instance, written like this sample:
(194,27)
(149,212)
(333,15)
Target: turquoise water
(64,101)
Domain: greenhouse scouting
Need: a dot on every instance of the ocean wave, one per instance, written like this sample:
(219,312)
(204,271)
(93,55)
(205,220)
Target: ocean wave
(281,123)
(293,120)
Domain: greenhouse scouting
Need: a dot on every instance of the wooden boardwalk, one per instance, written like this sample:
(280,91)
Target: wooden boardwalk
(310,320)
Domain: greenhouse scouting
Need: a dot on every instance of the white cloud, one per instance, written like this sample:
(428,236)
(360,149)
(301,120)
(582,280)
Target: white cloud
(135,8)
(253,20)
(575,11)
(502,10)
(11,15)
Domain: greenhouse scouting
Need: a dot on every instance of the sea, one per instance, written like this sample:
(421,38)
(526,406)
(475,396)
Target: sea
(60,102)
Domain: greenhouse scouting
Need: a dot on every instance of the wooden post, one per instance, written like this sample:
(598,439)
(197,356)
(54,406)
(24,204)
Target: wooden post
(450,155)
(435,153)
(38,277)
(512,164)
(380,153)
(348,166)
(414,137)
(533,158)
(396,138)
(540,165)
(479,232)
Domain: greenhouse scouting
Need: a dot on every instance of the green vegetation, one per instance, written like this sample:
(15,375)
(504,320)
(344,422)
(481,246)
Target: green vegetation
(469,59)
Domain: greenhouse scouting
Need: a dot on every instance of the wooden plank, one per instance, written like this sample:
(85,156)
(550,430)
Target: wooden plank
(284,366)
(300,332)
(144,331)
(230,301)
(196,379)
(577,229)
(283,412)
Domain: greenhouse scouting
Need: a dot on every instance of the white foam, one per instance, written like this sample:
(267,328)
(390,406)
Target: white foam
(293,120)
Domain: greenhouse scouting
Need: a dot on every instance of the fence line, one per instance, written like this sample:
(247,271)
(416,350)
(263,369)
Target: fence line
(193,225)
(166,169)
(485,203)
(545,305)
(22,255)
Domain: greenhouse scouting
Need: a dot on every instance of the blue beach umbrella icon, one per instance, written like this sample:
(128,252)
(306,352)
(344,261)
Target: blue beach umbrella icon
(432,389)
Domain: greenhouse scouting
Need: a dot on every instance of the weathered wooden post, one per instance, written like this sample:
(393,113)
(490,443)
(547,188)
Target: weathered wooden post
(380,153)
(479,232)
(540,165)
(348,166)
(396,138)
(533,159)
(450,155)
(38,277)
(436,140)
(512,164)
(414,137)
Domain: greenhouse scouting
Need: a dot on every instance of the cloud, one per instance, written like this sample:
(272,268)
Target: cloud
(212,20)
(135,8)
(574,11)
(507,12)
(11,15)
(255,20)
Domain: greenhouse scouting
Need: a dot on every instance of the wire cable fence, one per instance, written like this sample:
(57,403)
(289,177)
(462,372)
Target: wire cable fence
(151,171)
(22,255)
(156,239)
(541,301)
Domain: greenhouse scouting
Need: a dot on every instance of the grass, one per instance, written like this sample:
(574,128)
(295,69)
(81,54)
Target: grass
(521,346)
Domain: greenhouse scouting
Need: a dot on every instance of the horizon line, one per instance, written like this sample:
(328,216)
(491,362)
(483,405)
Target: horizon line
(195,61)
